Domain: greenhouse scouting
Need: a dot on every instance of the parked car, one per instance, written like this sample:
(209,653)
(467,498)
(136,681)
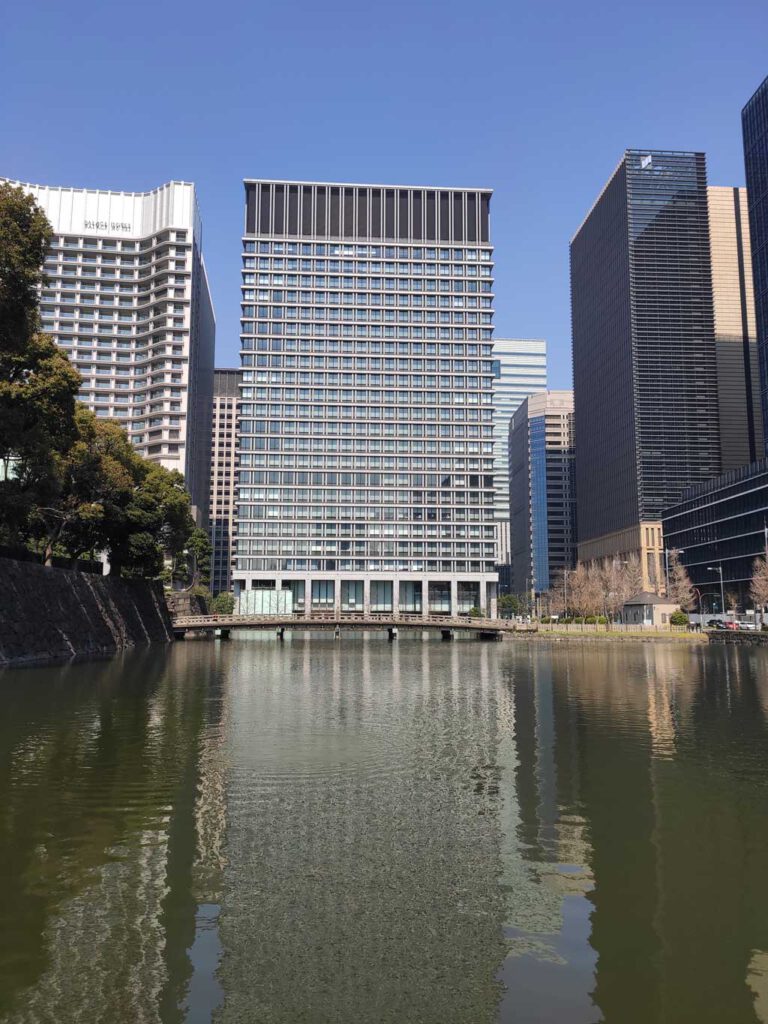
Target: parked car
(716,624)
(746,624)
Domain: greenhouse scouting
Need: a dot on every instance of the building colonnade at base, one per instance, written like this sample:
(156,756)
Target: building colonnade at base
(372,595)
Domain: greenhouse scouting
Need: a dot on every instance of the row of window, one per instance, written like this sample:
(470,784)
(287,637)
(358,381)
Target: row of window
(248,565)
(320,267)
(365,409)
(387,252)
(351,513)
(307,298)
(372,444)
(376,348)
(102,259)
(371,429)
(364,549)
(375,462)
(402,285)
(372,479)
(290,329)
(375,315)
(89,242)
(374,530)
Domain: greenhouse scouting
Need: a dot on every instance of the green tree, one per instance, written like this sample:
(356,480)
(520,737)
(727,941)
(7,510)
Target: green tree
(223,604)
(508,606)
(92,485)
(37,383)
(157,523)
(199,556)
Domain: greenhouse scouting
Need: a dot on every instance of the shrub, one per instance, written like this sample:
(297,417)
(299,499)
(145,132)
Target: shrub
(678,618)
(223,604)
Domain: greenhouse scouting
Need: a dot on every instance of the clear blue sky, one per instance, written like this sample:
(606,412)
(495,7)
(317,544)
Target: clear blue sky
(536,100)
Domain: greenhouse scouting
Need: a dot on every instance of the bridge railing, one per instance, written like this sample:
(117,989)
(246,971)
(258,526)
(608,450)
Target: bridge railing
(302,621)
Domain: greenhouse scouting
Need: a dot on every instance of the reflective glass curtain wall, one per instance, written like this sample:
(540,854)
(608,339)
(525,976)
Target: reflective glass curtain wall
(754,119)
(644,359)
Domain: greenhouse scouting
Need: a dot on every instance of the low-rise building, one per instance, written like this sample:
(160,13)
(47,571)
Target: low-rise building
(721,525)
(647,610)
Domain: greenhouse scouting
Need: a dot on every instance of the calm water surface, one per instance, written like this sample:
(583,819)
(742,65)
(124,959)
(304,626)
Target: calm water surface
(415,833)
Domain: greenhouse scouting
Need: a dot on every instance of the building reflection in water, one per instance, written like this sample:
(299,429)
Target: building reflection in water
(113,822)
(653,758)
(345,831)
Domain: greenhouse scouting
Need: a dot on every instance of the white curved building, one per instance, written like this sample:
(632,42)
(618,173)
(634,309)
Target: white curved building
(127,298)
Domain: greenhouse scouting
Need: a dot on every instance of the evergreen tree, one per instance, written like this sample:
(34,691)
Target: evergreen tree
(37,384)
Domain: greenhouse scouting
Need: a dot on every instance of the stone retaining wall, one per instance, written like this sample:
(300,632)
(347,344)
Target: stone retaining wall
(732,636)
(55,614)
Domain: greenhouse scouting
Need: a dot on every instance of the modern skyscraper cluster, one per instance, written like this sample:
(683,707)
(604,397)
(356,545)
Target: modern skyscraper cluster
(377,451)
(669,288)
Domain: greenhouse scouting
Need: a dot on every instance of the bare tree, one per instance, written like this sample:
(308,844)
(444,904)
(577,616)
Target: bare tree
(585,593)
(680,587)
(731,600)
(614,587)
(556,596)
(633,570)
(758,588)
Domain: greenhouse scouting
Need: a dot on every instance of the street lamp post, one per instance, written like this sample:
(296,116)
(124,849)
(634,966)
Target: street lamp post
(719,568)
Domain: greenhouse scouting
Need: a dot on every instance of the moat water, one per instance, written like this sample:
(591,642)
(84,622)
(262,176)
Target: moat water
(358,831)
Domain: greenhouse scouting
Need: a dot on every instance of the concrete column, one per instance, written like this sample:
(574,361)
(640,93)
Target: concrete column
(424,598)
(337,597)
(396,597)
(493,607)
(366,596)
(482,597)
(454,598)
(307,596)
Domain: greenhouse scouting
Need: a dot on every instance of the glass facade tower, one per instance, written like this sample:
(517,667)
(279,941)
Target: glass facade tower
(644,354)
(754,120)
(366,478)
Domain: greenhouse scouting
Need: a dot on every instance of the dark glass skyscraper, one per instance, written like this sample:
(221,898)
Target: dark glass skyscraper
(754,120)
(644,356)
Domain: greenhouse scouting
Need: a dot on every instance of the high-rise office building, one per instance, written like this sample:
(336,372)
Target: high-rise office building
(754,120)
(127,298)
(644,354)
(720,524)
(226,391)
(738,383)
(366,421)
(520,370)
(542,491)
